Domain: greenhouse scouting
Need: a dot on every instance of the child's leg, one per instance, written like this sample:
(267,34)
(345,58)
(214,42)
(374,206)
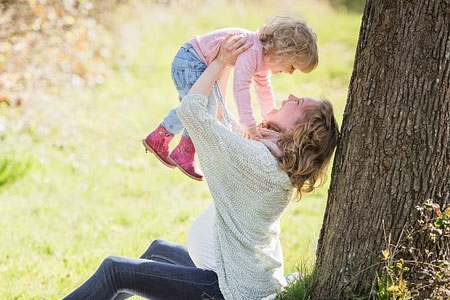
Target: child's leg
(187,67)
(172,123)
(149,279)
(159,139)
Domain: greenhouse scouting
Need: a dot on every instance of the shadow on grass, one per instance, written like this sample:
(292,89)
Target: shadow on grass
(11,170)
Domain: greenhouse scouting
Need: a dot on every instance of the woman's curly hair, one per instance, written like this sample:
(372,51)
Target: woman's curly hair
(307,148)
(289,40)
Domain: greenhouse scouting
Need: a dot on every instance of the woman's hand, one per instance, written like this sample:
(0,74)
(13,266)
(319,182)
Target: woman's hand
(231,47)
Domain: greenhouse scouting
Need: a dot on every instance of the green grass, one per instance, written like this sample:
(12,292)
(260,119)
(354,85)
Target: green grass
(90,191)
(301,288)
(12,169)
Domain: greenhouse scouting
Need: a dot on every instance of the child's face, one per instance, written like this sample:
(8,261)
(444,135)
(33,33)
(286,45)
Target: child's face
(282,67)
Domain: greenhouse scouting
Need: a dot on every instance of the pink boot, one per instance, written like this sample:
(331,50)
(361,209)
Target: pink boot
(183,157)
(157,142)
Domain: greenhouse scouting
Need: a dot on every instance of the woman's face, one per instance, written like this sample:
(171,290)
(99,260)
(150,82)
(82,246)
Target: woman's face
(291,111)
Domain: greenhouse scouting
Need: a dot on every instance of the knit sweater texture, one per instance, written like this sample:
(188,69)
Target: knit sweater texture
(249,66)
(250,193)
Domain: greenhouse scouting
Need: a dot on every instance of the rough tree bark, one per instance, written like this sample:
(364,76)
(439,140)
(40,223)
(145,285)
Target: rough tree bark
(395,145)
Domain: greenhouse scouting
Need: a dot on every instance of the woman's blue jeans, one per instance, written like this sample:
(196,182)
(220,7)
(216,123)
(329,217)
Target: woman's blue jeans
(186,69)
(164,272)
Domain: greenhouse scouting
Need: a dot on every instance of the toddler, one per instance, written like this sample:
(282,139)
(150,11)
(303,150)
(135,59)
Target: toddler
(283,44)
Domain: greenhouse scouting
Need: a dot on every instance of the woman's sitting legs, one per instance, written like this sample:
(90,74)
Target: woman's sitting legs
(163,251)
(164,279)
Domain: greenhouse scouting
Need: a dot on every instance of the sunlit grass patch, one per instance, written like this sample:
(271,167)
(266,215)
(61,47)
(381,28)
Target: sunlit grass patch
(12,168)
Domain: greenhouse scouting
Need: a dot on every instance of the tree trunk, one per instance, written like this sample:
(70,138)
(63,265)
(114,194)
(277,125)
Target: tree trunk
(394,150)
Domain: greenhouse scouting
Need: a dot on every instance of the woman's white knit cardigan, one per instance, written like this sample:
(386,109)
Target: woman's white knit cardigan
(250,193)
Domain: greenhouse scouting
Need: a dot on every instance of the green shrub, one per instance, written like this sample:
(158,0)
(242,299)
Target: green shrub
(414,272)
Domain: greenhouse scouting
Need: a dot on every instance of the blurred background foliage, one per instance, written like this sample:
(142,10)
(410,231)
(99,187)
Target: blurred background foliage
(47,44)
(352,5)
(81,82)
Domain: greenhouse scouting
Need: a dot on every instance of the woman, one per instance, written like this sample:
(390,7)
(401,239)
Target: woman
(233,249)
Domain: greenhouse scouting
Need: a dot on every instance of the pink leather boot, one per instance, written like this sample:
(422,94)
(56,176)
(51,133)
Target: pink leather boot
(157,142)
(183,157)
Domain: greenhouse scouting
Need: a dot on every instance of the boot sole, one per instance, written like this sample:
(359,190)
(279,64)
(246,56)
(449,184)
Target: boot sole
(182,170)
(148,148)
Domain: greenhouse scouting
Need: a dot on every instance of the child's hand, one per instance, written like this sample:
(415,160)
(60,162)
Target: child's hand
(252,133)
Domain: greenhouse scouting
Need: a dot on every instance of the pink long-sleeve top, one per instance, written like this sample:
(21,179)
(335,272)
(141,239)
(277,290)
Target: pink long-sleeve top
(249,65)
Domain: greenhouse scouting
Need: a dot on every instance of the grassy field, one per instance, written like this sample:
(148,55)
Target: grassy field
(75,183)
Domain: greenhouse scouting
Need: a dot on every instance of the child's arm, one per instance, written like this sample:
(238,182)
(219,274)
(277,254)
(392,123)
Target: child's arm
(243,72)
(264,92)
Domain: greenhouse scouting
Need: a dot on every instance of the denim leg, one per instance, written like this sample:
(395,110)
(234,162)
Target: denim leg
(164,251)
(149,279)
(171,122)
(168,252)
(187,67)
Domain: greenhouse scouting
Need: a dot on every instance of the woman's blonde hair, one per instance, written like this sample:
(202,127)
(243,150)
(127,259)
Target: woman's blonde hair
(286,39)
(307,148)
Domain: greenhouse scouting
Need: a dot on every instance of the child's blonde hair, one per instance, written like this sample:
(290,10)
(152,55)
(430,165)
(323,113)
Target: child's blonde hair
(286,39)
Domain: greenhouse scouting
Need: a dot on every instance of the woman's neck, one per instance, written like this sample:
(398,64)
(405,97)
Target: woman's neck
(270,140)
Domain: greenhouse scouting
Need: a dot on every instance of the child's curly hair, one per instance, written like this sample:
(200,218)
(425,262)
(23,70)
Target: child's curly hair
(286,39)
(308,147)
